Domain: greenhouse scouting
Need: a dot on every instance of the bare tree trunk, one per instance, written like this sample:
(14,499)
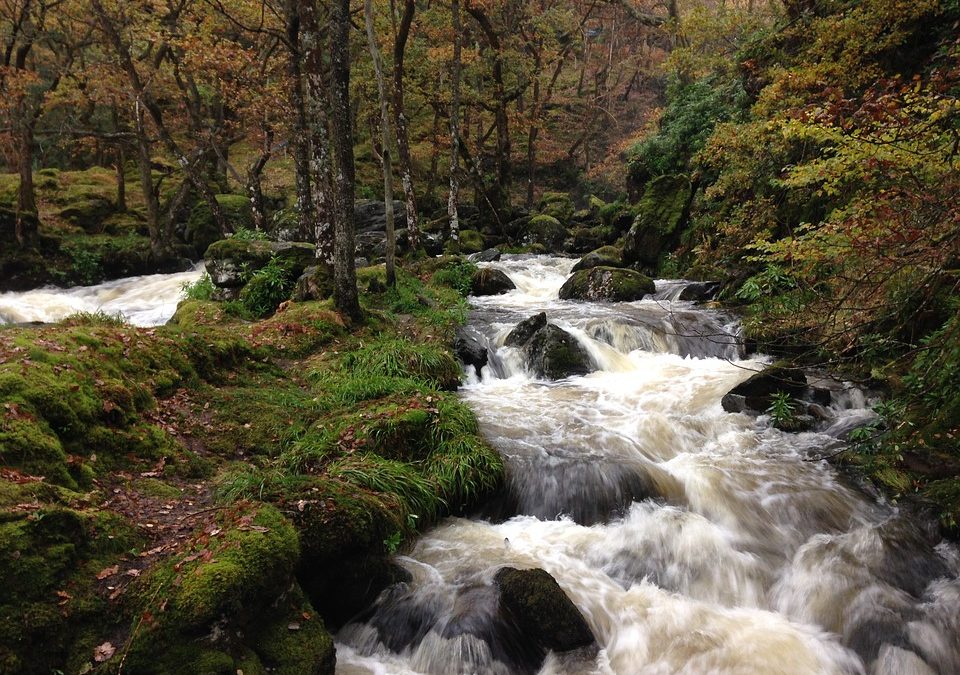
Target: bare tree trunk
(344,250)
(159,245)
(121,179)
(384,140)
(312,45)
(301,135)
(403,136)
(25,227)
(254,184)
(453,201)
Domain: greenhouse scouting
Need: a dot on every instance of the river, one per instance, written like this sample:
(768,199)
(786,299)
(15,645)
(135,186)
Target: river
(691,539)
(147,300)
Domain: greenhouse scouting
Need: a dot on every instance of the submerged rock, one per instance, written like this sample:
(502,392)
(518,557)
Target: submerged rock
(607,284)
(489,281)
(543,612)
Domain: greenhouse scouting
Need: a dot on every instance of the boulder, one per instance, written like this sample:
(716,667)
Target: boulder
(471,241)
(370,215)
(371,245)
(607,284)
(700,291)
(89,213)
(524,330)
(759,389)
(202,231)
(605,256)
(468,348)
(488,255)
(230,262)
(558,205)
(661,213)
(554,353)
(541,610)
(490,281)
(316,283)
(546,231)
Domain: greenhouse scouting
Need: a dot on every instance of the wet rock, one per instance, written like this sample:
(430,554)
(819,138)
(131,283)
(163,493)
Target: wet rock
(734,403)
(488,255)
(489,281)
(662,212)
(316,283)
(605,256)
(607,284)
(229,262)
(468,349)
(524,330)
(796,423)
(555,354)
(700,291)
(759,390)
(432,243)
(542,611)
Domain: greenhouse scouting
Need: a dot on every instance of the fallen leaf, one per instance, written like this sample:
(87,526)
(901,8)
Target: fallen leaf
(108,572)
(103,652)
(293,626)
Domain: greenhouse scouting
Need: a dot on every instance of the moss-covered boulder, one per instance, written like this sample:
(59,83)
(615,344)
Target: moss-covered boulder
(661,215)
(607,284)
(230,262)
(605,256)
(89,213)
(471,241)
(557,205)
(490,281)
(590,238)
(542,611)
(524,330)
(316,283)
(546,231)
(550,351)
(202,229)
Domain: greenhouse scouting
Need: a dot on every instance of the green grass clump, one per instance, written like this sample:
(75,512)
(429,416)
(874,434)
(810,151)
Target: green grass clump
(399,357)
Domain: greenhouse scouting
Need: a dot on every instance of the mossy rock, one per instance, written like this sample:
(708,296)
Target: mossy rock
(490,281)
(471,241)
(8,224)
(595,204)
(555,354)
(661,215)
(557,205)
(547,231)
(605,256)
(590,238)
(607,284)
(231,262)
(542,611)
(202,230)
(89,214)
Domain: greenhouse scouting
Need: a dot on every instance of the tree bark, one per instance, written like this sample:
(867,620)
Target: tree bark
(159,245)
(344,250)
(385,141)
(403,135)
(453,201)
(311,42)
(306,212)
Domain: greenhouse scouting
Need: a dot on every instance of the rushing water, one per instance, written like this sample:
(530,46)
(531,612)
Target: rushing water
(691,539)
(143,301)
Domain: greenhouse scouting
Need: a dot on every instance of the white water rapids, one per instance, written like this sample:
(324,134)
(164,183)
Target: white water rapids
(691,539)
(143,301)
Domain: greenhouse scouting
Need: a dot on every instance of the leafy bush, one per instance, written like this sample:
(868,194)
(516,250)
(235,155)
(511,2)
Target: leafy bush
(457,276)
(201,289)
(268,287)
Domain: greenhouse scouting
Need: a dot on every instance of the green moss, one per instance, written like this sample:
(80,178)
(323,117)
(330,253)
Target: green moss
(471,241)
(202,230)
(546,231)
(89,214)
(607,283)
(661,216)
(557,205)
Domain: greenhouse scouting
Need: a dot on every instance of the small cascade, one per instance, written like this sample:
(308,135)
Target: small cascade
(143,301)
(691,539)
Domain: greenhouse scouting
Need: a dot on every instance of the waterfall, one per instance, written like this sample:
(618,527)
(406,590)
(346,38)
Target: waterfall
(691,539)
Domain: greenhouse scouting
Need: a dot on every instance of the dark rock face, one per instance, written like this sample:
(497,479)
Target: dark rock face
(700,291)
(555,354)
(551,351)
(371,215)
(607,284)
(662,212)
(490,281)
(489,255)
(524,330)
(468,349)
(759,390)
(542,611)
(605,256)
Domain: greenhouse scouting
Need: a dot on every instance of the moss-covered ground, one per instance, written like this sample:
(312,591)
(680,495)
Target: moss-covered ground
(216,494)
